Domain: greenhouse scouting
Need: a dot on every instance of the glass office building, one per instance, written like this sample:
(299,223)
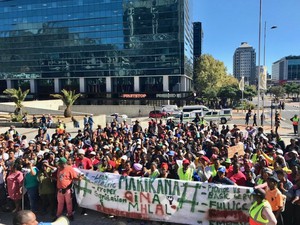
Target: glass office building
(107,49)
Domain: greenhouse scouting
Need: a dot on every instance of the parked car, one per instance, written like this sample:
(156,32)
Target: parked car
(170,109)
(157,114)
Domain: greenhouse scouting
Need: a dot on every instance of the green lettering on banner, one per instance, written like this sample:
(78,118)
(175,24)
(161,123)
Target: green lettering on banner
(155,199)
(121,179)
(176,189)
(164,199)
(85,189)
(131,185)
(168,183)
(133,206)
(139,185)
(160,187)
(151,188)
(183,200)
(228,205)
(149,210)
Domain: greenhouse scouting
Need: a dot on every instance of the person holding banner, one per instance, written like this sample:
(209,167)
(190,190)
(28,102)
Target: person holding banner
(65,176)
(221,178)
(184,171)
(260,212)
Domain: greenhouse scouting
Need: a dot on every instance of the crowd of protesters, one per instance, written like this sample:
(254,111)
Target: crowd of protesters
(46,166)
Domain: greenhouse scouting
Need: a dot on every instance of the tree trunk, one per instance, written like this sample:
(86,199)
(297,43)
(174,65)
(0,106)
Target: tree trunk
(18,111)
(68,112)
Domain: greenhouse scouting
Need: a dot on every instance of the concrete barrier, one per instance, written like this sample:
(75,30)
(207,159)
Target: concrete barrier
(99,120)
(129,110)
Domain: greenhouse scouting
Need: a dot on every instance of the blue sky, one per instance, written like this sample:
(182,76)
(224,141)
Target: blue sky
(227,23)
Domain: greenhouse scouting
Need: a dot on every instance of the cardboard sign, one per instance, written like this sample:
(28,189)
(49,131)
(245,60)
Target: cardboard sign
(239,148)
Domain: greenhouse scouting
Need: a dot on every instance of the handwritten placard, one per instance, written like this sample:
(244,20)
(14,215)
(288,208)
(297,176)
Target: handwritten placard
(164,200)
(239,148)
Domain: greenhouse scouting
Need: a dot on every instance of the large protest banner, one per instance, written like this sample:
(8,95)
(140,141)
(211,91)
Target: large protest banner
(166,200)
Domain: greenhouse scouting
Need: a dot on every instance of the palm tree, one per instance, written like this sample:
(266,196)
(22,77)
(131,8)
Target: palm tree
(68,98)
(17,96)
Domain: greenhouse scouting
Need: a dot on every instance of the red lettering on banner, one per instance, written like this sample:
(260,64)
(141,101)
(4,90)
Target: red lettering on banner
(227,215)
(146,196)
(116,212)
(159,210)
(129,196)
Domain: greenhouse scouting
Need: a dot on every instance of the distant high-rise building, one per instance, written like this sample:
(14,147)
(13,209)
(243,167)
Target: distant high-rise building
(110,51)
(286,69)
(198,37)
(244,63)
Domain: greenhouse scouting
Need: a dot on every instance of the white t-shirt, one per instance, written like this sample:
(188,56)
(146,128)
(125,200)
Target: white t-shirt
(1,175)
(5,156)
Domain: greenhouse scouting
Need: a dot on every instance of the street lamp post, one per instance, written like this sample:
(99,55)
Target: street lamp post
(265,38)
(259,42)
(263,94)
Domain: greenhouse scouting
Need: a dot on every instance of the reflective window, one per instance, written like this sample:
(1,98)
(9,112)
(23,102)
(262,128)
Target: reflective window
(95,85)
(45,86)
(122,85)
(151,84)
(93,38)
(23,84)
(69,84)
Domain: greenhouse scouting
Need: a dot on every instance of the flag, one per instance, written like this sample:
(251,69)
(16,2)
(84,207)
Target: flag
(242,84)
(263,78)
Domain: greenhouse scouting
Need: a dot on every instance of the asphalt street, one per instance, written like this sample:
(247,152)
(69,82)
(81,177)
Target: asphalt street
(99,218)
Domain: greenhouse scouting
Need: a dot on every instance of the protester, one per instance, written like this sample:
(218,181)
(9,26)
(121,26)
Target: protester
(25,217)
(295,122)
(261,211)
(185,151)
(15,185)
(65,176)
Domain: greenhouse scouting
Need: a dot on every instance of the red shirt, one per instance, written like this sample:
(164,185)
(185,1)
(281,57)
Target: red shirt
(65,177)
(84,163)
(239,178)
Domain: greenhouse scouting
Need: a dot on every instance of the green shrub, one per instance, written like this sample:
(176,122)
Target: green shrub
(16,118)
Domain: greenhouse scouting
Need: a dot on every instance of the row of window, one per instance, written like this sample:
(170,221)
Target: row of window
(97,85)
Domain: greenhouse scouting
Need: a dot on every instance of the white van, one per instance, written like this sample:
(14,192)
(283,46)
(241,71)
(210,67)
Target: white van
(188,117)
(191,108)
(169,109)
(221,116)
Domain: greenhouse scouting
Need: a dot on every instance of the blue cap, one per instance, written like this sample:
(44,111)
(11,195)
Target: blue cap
(171,153)
(222,169)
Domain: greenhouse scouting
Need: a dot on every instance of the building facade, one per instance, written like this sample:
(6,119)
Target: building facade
(286,69)
(106,49)
(244,63)
(198,39)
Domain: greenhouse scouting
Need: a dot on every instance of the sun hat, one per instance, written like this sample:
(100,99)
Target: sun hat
(81,151)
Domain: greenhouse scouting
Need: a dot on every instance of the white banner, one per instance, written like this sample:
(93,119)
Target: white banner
(242,84)
(263,78)
(166,200)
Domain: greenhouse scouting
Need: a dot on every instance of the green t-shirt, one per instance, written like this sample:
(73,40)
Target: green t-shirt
(31,181)
(46,184)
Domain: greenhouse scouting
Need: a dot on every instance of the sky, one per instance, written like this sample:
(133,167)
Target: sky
(227,23)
